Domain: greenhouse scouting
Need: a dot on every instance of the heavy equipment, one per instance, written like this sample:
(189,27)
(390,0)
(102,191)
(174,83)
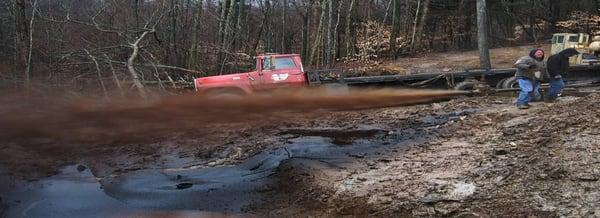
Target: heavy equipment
(588,47)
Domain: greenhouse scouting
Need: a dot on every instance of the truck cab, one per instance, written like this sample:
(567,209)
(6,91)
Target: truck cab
(579,41)
(271,71)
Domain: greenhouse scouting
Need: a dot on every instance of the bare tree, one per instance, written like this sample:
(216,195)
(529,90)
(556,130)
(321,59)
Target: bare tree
(99,72)
(193,55)
(484,53)
(21,33)
(417,34)
(30,48)
(395,26)
(348,33)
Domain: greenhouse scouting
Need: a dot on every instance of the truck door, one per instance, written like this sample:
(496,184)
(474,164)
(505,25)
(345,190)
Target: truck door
(280,72)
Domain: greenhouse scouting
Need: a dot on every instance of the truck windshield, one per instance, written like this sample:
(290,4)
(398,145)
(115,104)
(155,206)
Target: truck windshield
(284,63)
(573,38)
(279,63)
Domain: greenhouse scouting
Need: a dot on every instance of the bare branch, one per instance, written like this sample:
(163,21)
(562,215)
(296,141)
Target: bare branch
(99,73)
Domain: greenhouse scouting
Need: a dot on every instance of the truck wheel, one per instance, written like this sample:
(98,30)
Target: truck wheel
(227,95)
(510,83)
(224,94)
(465,85)
(337,89)
(500,83)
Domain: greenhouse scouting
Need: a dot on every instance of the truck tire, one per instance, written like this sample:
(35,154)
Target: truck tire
(224,94)
(500,83)
(337,89)
(510,83)
(465,85)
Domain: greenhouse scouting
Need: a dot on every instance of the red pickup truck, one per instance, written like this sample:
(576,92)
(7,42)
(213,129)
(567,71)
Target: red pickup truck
(271,72)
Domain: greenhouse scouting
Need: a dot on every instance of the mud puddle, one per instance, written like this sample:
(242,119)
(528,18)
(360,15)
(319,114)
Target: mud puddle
(339,136)
(224,189)
(232,189)
(71,193)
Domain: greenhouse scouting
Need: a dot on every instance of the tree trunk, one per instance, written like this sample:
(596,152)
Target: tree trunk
(387,10)
(395,27)
(329,48)
(222,17)
(131,65)
(228,20)
(412,41)
(21,39)
(227,35)
(482,35)
(348,33)
(174,59)
(30,48)
(136,8)
(318,35)
(283,27)
(269,45)
(238,24)
(193,57)
(336,33)
(114,74)
(99,73)
(421,24)
(306,30)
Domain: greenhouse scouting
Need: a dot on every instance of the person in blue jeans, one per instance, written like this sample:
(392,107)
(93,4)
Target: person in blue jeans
(558,65)
(528,82)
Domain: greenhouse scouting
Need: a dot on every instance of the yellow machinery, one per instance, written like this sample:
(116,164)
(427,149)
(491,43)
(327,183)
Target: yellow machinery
(588,47)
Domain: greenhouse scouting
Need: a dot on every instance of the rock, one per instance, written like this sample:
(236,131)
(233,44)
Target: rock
(500,152)
(468,215)
(447,208)
(588,177)
(359,156)
(265,188)
(81,168)
(455,192)
(517,122)
(423,212)
(184,185)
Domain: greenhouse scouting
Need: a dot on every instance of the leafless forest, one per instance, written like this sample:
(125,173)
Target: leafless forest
(123,47)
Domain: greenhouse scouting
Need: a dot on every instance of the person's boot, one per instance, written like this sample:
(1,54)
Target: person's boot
(523,106)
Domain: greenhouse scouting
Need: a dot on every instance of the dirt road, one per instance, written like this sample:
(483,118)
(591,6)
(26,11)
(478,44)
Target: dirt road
(466,157)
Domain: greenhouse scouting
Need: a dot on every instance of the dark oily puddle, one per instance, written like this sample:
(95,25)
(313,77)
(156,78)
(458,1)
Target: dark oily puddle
(339,136)
(224,189)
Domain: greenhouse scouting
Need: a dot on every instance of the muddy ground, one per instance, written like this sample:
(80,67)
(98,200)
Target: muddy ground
(467,157)
(491,160)
(504,57)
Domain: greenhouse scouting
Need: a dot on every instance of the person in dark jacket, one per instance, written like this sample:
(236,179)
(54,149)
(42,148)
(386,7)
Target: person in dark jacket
(529,84)
(558,66)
